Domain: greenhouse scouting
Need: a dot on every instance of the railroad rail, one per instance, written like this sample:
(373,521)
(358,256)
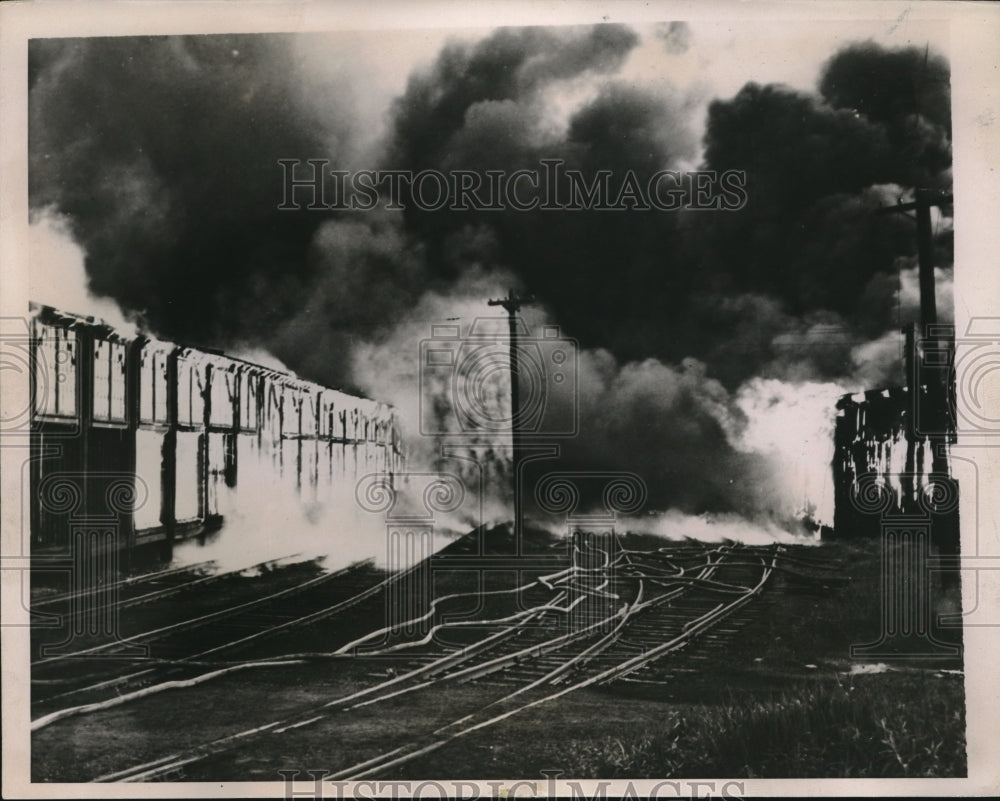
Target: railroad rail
(230,628)
(145,589)
(650,605)
(129,582)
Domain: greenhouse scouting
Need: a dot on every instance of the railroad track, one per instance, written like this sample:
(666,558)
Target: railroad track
(183,645)
(590,670)
(129,583)
(143,590)
(641,608)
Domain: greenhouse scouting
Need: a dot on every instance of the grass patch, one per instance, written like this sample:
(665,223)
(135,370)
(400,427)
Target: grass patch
(874,726)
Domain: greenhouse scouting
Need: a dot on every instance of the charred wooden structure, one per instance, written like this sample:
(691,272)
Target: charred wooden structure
(891,457)
(144,435)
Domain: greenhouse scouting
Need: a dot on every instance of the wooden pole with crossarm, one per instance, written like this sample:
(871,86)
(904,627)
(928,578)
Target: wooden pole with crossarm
(935,414)
(512,304)
(938,417)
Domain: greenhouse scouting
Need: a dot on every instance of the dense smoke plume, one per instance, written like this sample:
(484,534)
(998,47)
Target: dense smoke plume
(693,326)
(161,152)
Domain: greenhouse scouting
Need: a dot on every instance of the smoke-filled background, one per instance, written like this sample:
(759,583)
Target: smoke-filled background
(712,344)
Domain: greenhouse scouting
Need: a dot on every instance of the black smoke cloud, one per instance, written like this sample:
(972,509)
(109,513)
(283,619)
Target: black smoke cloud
(807,248)
(675,427)
(803,284)
(511,65)
(467,113)
(906,90)
(162,154)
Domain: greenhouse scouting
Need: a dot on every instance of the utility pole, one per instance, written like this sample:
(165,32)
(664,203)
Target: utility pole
(935,415)
(936,418)
(921,204)
(512,304)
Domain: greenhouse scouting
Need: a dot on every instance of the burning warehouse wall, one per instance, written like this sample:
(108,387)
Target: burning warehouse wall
(147,440)
(891,456)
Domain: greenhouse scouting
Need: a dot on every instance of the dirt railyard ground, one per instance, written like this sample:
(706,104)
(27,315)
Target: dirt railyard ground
(779,697)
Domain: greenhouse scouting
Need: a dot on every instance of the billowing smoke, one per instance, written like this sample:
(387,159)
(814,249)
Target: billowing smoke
(162,153)
(394,368)
(57,276)
(703,335)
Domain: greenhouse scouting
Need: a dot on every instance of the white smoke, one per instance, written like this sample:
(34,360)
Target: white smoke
(391,370)
(674,525)
(259,356)
(793,424)
(268,517)
(647,417)
(57,276)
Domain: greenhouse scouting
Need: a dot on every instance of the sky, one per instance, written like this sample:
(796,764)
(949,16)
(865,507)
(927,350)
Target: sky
(705,361)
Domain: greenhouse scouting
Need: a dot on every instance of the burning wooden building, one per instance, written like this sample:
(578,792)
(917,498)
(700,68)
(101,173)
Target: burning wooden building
(134,440)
